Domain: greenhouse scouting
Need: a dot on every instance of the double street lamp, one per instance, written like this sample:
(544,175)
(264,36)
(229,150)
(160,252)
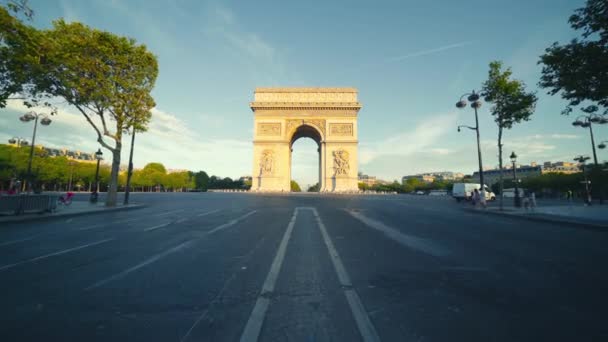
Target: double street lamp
(587,121)
(517,199)
(19,141)
(45,121)
(95,194)
(582,160)
(473,97)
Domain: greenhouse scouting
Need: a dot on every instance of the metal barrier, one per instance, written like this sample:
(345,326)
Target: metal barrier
(20,204)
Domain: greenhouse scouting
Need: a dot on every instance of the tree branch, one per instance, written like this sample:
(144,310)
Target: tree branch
(99,135)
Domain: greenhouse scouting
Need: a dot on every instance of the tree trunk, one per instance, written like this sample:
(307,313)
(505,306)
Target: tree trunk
(500,168)
(111,196)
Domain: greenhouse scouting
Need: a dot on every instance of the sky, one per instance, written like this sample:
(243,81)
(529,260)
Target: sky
(410,60)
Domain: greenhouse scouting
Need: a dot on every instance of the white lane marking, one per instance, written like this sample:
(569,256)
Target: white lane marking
(364,323)
(11,242)
(419,244)
(127,220)
(140,265)
(182,220)
(169,212)
(5,267)
(220,294)
(253,328)
(69,220)
(91,227)
(157,227)
(208,213)
(231,223)
(164,254)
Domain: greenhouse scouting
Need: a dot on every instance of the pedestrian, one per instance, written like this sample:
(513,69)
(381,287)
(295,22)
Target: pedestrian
(526,200)
(475,198)
(532,200)
(482,198)
(569,196)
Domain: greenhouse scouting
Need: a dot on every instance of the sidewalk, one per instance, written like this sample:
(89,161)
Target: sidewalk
(595,216)
(75,209)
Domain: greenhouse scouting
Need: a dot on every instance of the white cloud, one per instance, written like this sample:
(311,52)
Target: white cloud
(422,137)
(565,136)
(428,52)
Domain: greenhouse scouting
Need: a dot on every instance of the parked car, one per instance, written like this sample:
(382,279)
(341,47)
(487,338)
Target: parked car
(419,192)
(438,193)
(464,191)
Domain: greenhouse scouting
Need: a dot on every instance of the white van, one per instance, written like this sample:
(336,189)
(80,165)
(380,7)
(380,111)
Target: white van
(464,191)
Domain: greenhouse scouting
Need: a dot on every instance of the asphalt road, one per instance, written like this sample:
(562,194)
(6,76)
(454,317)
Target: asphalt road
(230,267)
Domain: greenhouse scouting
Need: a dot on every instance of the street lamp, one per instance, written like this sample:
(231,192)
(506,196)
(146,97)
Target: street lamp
(19,141)
(582,160)
(517,200)
(95,194)
(587,122)
(45,121)
(473,97)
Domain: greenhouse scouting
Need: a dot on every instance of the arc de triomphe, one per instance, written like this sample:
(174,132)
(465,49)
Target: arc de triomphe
(283,115)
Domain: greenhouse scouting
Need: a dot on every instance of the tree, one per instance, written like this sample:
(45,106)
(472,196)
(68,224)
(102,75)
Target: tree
(315,188)
(295,187)
(201,180)
(511,104)
(579,70)
(19,54)
(107,78)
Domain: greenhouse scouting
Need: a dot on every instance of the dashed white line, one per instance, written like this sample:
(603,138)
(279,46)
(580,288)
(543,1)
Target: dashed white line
(364,323)
(157,227)
(140,265)
(169,212)
(5,267)
(416,243)
(11,242)
(256,319)
(208,213)
(164,254)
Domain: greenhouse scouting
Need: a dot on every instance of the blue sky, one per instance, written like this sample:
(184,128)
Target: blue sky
(410,60)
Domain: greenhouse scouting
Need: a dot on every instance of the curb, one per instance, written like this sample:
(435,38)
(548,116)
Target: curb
(17,219)
(543,218)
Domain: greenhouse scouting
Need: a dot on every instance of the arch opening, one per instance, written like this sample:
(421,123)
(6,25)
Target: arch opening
(305,163)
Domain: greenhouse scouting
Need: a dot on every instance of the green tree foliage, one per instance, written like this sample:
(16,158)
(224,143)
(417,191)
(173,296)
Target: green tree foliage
(511,104)
(201,181)
(107,78)
(20,54)
(316,188)
(295,187)
(579,70)
(226,183)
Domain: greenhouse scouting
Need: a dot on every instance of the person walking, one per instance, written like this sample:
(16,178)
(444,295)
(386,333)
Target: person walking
(475,197)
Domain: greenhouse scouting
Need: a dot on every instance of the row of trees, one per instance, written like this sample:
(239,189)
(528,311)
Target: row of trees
(578,71)
(62,174)
(105,77)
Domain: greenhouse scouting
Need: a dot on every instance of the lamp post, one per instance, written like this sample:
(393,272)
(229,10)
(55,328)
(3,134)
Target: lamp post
(582,160)
(517,200)
(473,97)
(45,121)
(95,194)
(587,122)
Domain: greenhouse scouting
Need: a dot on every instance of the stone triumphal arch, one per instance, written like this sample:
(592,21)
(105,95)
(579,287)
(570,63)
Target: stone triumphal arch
(326,115)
